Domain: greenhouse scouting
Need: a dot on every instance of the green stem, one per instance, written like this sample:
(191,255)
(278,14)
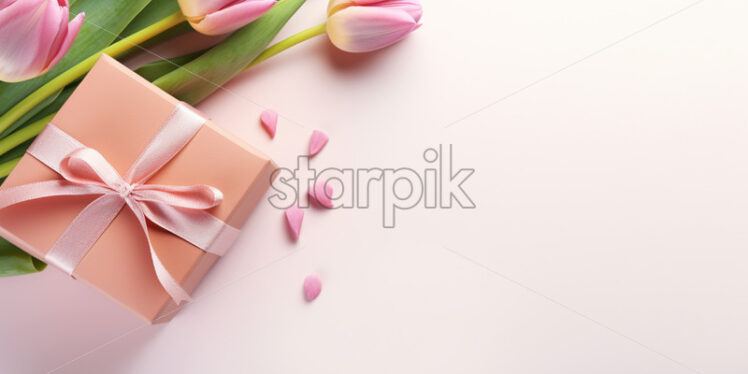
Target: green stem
(77,71)
(27,132)
(289,42)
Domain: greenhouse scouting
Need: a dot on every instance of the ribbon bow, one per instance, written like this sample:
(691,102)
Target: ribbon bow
(177,209)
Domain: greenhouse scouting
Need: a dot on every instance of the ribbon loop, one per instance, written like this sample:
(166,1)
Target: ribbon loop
(191,197)
(87,166)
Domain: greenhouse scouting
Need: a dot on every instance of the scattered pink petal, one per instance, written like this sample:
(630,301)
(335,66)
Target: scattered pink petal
(322,193)
(312,287)
(269,120)
(317,142)
(294,217)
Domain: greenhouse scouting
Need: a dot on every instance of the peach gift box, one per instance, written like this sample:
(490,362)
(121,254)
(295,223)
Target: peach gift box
(117,113)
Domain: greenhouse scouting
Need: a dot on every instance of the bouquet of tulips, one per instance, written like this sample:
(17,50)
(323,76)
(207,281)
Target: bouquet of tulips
(43,54)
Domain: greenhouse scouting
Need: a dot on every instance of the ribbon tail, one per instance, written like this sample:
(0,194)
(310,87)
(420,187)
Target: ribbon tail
(83,232)
(171,286)
(38,190)
(197,227)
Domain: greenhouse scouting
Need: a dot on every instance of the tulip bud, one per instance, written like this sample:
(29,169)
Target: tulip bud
(367,25)
(216,17)
(34,36)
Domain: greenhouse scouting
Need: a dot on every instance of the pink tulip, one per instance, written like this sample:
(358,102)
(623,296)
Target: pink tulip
(216,17)
(367,25)
(34,36)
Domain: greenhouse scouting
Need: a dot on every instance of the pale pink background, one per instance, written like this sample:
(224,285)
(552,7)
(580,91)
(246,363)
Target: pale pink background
(611,233)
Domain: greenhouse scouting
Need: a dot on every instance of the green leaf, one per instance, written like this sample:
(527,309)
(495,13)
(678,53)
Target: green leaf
(199,78)
(156,69)
(55,105)
(23,120)
(105,19)
(14,261)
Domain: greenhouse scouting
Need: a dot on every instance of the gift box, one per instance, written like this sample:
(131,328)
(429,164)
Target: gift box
(115,119)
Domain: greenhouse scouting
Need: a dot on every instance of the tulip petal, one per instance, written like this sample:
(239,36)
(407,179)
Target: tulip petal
(361,29)
(232,17)
(20,39)
(70,33)
(59,33)
(337,5)
(199,8)
(412,7)
(45,24)
(52,23)
(6,3)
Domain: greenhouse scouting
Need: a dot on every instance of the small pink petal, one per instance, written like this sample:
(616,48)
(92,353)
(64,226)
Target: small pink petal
(317,142)
(294,217)
(322,194)
(312,287)
(269,120)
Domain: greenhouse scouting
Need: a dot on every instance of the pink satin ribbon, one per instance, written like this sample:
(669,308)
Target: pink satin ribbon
(177,209)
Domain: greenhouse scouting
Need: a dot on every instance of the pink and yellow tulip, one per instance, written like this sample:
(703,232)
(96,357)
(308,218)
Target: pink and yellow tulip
(34,36)
(366,25)
(216,17)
